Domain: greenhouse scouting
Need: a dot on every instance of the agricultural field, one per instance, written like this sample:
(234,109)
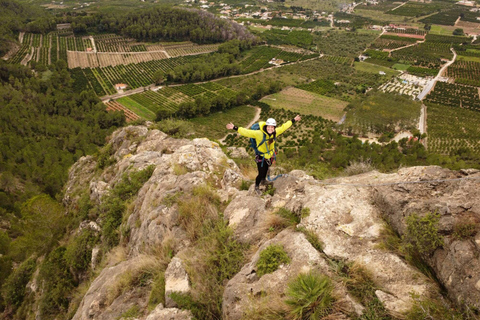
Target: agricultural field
(382,112)
(372,68)
(343,43)
(168,99)
(380,16)
(418,9)
(137,108)
(447,18)
(455,95)
(452,128)
(213,126)
(427,54)
(115,106)
(465,72)
(305,102)
(392,42)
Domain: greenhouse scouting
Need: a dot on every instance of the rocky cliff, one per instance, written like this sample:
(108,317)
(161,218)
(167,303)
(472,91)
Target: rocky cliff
(350,218)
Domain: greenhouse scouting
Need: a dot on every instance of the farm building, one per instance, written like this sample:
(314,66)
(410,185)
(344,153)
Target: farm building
(121,86)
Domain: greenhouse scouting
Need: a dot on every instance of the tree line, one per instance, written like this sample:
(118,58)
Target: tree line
(162,23)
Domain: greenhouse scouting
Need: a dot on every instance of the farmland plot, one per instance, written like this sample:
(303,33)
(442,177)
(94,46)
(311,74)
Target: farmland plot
(455,95)
(305,102)
(115,106)
(451,128)
(465,72)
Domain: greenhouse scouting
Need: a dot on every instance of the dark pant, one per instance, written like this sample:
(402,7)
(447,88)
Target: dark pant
(262,171)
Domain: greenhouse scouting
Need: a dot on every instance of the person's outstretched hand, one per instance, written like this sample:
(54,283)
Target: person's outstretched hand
(297,118)
(230,126)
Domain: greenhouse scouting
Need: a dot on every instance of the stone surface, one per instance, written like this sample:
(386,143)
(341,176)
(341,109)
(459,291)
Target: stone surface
(161,313)
(176,280)
(347,214)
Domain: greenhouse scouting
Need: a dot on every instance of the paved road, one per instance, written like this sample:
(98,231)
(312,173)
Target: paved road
(432,82)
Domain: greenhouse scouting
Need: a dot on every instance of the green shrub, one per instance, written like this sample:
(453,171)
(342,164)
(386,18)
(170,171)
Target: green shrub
(422,233)
(175,128)
(104,157)
(464,230)
(58,283)
(245,185)
(310,296)
(131,313)
(13,290)
(132,182)
(157,294)
(312,238)
(79,251)
(427,308)
(291,217)
(270,259)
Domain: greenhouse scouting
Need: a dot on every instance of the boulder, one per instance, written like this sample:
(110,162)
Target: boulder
(176,280)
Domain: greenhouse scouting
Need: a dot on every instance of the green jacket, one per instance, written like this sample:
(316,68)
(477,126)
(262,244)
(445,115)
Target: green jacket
(258,136)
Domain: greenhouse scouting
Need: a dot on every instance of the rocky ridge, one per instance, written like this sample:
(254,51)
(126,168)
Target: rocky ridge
(347,215)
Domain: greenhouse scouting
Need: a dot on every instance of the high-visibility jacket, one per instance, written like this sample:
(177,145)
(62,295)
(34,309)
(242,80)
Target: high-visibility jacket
(266,148)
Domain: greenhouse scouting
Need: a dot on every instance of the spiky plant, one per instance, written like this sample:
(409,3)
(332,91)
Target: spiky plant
(310,296)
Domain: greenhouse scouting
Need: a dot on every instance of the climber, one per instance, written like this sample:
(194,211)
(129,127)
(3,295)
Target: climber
(263,136)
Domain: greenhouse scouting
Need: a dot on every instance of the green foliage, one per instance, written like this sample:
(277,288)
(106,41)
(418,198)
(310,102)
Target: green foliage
(78,254)
(245,184)
(58,283)
(310,296)
(270,259)
(291,217)
(132,182)
(428,308)
(422,233)
(13,290)
(312,238)
(112,208)
(175,128)
(57,125)
(165,23)
(131,313)
(157,293)
(464,230)
(104,157)
(218,257)
(41,225)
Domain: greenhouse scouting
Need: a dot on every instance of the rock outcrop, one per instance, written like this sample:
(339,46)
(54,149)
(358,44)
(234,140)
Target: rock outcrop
(346,214)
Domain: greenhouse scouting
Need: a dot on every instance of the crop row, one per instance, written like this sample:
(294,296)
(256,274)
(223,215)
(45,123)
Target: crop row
(24,49)
(467,72)
(446,39)
(392,42)
(451,128)
(455,95)
(340,60)
(447,18)
(258,58)
(425,54)
(417,9)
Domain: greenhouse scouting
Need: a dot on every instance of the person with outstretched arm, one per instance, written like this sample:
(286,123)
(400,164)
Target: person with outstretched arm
(265,139)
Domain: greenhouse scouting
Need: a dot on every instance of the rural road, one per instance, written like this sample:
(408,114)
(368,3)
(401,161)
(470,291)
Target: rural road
(432,82)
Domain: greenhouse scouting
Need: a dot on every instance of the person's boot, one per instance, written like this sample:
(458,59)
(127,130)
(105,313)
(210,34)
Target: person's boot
(257,191)
(266,183)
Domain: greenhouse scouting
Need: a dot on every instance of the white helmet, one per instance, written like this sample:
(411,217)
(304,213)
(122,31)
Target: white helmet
(271,122)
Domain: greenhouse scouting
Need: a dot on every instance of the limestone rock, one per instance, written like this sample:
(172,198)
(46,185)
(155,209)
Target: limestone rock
(176,280)
(161,313)
(246,215)
(238,153)
(457,264)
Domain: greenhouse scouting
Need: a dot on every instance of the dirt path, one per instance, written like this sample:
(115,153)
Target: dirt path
(255,119)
